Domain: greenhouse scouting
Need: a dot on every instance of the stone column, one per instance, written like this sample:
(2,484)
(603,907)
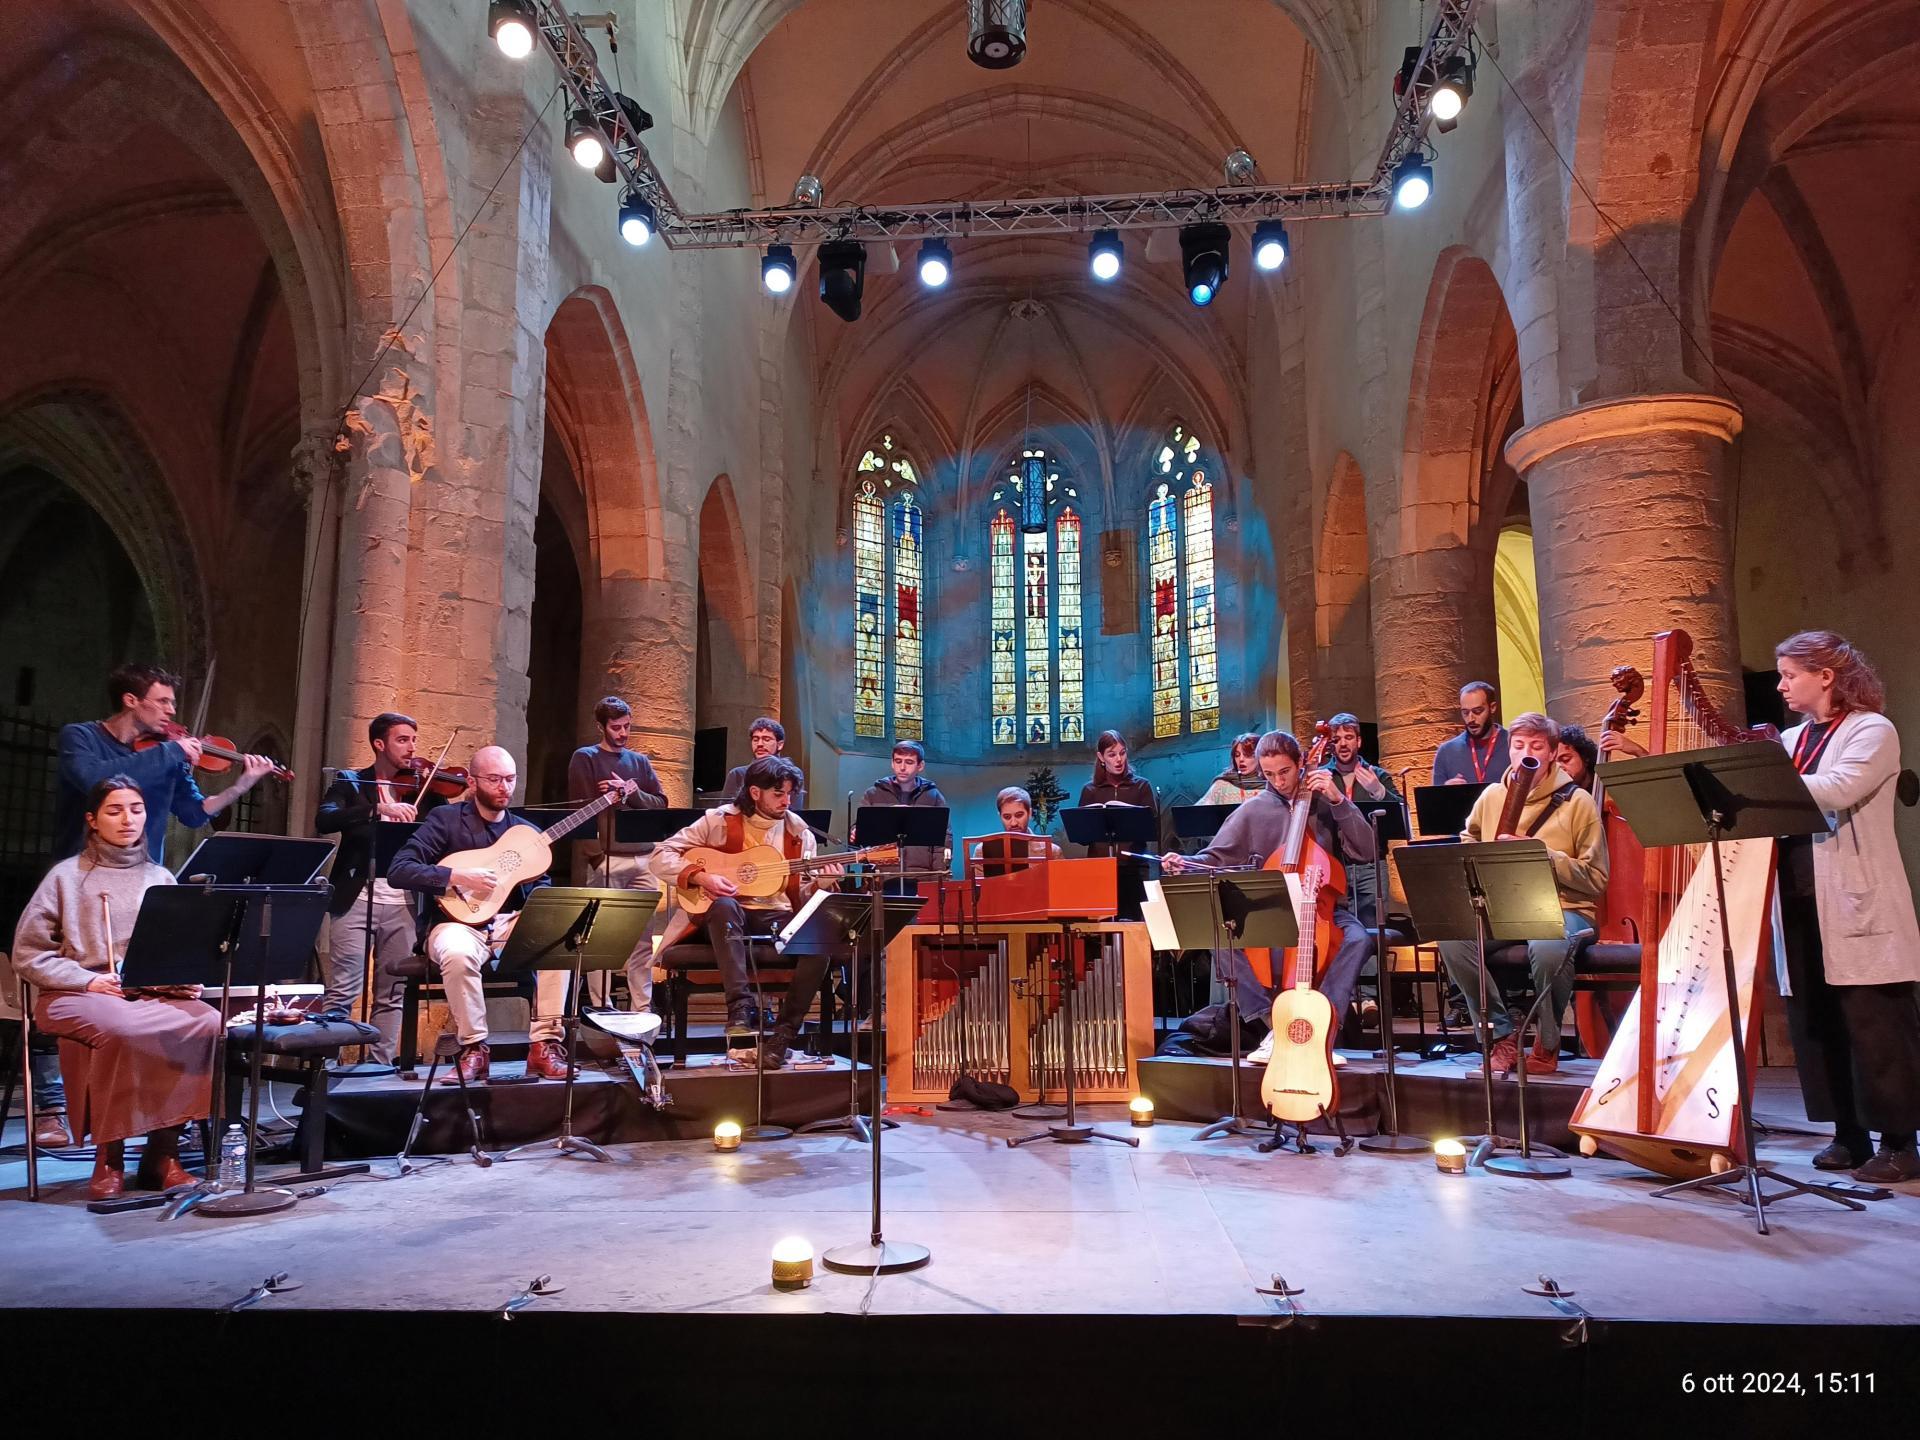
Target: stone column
(1631,536)
(1432,632)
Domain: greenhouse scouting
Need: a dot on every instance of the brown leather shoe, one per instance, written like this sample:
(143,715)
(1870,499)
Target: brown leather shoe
(50,1130)
(1506,1054)
(108,1178)
(1542,1062)
(471,1066)
(546,1060)
(160,1167)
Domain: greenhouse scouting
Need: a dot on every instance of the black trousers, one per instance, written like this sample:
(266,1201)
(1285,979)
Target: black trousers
(728,924)
(1857,1047)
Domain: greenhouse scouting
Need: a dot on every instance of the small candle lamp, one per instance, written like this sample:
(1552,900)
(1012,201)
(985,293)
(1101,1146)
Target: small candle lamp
(726,1135)
(792,1263)
(1140,1108)
(1450,1157)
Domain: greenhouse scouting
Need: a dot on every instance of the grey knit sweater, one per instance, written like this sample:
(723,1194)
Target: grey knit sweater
(61,941)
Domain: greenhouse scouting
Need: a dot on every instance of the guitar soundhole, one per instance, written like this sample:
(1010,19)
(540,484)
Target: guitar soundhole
(509,859)
(749,874)
(1300,1031)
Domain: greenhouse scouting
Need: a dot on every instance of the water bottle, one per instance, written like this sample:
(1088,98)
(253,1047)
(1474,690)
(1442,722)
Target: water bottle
(233,1158)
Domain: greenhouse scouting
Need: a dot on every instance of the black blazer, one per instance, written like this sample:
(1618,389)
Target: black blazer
(450,828)
(347,810)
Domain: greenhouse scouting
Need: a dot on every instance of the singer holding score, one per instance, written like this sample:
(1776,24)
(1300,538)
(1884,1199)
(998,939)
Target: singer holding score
(1561,814)
(134,1064)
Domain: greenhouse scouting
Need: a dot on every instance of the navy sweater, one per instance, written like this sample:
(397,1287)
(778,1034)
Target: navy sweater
(89,754)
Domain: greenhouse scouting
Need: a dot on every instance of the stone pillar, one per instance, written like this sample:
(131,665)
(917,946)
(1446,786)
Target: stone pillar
(1631,536)
(1432,632)
(637,641)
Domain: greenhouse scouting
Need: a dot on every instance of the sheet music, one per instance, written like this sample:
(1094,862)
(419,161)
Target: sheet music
(1153,910)
(794,926)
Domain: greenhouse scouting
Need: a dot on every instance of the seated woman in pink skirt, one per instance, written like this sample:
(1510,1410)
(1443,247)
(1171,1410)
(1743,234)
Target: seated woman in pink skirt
(133,1064)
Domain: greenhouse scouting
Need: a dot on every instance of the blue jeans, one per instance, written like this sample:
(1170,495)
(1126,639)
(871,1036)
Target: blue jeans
(1336,979)
(1546,959)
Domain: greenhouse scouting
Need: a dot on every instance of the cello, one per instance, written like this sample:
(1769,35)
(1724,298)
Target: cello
(1617,918)
(1299,1084)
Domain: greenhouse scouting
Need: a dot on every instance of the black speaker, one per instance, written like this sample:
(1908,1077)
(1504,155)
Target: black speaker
(709,759)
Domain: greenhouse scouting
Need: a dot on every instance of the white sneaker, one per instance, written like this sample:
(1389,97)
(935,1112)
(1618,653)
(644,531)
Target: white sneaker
(1262,1052)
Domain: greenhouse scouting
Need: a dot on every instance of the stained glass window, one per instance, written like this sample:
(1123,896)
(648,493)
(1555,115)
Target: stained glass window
(1067,618)
(888,621)
(1036,636)
(1006,701)
(1180,548)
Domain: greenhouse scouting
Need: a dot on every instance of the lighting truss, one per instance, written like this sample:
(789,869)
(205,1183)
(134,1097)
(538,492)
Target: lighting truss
(580,74)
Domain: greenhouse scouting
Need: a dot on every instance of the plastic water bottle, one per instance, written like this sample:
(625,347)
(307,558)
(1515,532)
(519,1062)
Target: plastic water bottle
(233,1158)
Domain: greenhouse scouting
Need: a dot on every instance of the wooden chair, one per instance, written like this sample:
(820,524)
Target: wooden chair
(692,970)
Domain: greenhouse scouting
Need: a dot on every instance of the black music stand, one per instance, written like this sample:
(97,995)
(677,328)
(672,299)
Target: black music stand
(236,858)
(223,935)
(1443,809)
(1497,890)
(576,928)
(817,820)
(387,838)
(922,827)
(1200,822)
(833,923)
(1693,797)
(1231,912)
(1122,830)
(1389,821)
(886,916)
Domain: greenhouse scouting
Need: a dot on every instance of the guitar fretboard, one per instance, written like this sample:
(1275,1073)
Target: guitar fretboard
(583,814)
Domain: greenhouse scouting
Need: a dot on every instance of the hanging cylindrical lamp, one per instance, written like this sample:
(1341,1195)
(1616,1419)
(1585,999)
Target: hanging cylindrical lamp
(996,33)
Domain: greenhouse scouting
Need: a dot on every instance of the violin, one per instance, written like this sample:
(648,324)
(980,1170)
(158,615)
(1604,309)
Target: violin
(217,753)
(420,777)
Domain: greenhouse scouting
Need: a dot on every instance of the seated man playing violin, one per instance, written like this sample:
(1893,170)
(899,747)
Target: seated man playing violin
(386,790)
(761,815)
(461,950)
(162,766)
(1256,831)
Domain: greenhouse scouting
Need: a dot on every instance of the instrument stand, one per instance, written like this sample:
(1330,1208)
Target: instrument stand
(1070,1133)
(759,1129)
(833,923)
(880,1256)
(1737,792)
(383,844)
(1386,818)
(1484,891)
(206,935)
(577,929)
(1278,1140)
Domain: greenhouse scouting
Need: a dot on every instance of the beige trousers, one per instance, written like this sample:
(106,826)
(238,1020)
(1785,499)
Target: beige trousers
(626,872)
(462,952)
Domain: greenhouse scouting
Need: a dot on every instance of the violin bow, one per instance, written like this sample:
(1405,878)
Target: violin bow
(426,785)
(206,697)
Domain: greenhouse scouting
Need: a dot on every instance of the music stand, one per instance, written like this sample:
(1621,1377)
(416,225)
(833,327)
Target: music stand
(817,820)
(834,922)
(922,827)
(1443,809)
(1231,912)
(234,857)
(220,935)
(1200,822)
(886,917)
(1389,821)
(576,928)
(387,836)
(1692,797)
(1496,890)
(1117,828)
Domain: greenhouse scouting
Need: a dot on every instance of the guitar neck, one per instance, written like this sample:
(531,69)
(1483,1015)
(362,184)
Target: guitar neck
(582,815)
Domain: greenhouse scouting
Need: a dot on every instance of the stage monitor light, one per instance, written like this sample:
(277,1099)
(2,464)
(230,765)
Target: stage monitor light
(726,1135)
(1140,1108)
(777,269)
(792,1263)
(1104,253)
(637,219)
(1412,183)
(843,277)
(511,27)
(1269,245)
(936,263)
(585,141)
(1203,260)
(1450,1157)
(1450,96)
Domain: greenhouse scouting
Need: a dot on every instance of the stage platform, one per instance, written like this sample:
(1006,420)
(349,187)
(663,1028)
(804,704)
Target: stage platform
(1095,1284)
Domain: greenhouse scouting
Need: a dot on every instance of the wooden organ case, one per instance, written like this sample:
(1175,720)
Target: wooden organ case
(977,979)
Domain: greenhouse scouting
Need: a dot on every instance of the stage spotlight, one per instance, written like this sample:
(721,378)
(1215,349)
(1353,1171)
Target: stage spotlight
(511,27)
(726,1135)
(1269,245)
(936,263)
(1412,183)
(777,269)
(806,192)
(1450,96)
(1238,168)
(1203,260)
(637,219)
(1104,253)
(792,1263)
(843,277)
(585,142)
(996,33)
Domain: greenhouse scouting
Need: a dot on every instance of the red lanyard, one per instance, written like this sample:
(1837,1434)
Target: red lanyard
(1805,757)
(1479,764)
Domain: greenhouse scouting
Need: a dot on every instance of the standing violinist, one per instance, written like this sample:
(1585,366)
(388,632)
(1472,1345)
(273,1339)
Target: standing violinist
(356,799)
(92,750)
(611,863)
(1256,831)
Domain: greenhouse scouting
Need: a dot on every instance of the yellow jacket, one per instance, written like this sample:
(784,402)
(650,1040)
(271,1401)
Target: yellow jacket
(1575,840)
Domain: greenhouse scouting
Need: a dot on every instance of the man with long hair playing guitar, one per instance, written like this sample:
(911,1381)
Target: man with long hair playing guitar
(761,815)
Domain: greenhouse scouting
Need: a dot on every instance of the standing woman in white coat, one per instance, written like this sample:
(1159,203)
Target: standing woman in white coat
(1852,948)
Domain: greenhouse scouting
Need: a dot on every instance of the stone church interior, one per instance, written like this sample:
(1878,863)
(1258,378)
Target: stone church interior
(972,664)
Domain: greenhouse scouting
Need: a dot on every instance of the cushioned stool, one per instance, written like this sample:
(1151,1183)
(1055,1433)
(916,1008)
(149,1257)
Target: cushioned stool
(296,1052)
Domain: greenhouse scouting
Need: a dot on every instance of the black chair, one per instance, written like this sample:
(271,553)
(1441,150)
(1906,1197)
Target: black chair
(421,979)
(692,970)
(297,1053)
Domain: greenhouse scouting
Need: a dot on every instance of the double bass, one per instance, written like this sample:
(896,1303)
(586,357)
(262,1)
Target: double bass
(1665,1095)
(1617,917)
(1300,1084)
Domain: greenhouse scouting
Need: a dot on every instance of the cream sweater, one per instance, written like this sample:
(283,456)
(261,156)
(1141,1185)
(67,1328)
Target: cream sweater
(61,941)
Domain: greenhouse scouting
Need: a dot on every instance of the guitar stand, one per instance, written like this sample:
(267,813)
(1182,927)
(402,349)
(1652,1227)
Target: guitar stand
(1278,1140)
